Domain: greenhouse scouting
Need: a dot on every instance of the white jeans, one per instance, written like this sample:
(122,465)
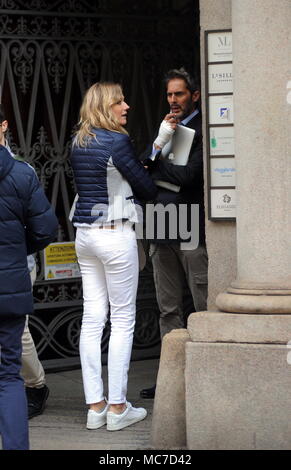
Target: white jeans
(108,261)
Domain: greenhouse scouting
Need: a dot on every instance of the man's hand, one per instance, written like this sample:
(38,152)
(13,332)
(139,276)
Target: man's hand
(167,129)
(172,119)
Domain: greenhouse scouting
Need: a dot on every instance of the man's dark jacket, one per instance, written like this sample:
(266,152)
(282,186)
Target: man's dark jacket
(188,177)
(27,225)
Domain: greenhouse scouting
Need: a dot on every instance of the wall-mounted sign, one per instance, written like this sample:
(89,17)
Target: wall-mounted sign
(220,78)
(223,203)
(222,172)
(60,261)
(219,46)
(220,125)
(220,109)
(221,140)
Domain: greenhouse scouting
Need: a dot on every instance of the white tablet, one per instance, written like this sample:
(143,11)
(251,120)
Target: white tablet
(177,152)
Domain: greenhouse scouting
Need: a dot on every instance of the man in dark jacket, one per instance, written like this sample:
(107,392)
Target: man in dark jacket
(27,225)
(175,262)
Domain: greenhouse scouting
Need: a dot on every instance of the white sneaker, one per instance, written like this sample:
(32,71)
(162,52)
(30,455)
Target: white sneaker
(96,419)
(130,415)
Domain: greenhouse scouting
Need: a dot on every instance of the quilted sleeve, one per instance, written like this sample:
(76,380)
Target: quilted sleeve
(131,168)
(40,221)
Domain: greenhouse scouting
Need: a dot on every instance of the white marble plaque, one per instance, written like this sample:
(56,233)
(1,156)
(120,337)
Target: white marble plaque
(222,172)
(220,47)
(220,78)
(221,140)
(223,203)
(221,109)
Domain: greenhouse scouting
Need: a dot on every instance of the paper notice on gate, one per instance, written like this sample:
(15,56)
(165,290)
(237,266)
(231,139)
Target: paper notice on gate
(60,261)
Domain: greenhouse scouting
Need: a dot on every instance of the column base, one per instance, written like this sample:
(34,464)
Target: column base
(237,381)
(237,396)
(254,303)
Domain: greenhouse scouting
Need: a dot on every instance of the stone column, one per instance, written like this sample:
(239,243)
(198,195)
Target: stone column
(237,369)
(262,71)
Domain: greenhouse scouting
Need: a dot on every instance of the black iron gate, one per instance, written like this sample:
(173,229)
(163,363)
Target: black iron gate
(51,52)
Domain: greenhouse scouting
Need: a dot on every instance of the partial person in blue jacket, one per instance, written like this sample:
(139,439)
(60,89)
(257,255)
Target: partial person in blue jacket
(32,370)
(27,225)
(109,180)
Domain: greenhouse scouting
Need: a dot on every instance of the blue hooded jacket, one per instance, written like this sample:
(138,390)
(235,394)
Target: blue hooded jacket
(27,224)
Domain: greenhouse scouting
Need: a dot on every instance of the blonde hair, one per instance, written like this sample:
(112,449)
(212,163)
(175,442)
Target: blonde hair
(96,111)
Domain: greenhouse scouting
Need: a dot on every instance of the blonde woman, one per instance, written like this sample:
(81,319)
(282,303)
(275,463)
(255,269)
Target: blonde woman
(109,179)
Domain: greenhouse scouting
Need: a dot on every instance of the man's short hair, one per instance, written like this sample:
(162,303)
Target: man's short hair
(192,82)
(2,114)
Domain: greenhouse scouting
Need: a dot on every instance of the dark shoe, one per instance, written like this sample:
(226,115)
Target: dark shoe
(36,399)
(148,392)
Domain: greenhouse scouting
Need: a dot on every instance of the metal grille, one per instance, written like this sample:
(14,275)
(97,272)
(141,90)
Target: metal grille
(51,52)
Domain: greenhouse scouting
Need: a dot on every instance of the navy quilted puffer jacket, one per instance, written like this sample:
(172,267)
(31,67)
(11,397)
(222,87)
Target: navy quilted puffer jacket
(110,180)
(27,224)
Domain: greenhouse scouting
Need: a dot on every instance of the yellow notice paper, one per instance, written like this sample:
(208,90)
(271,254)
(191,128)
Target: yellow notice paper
(60,261)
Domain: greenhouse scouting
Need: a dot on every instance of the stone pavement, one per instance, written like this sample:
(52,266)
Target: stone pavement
(62,426)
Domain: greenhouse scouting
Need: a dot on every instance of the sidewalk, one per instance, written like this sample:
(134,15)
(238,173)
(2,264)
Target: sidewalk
(62,426)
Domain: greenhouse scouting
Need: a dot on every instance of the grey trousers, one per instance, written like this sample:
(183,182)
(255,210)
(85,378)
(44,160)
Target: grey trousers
(171,266)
